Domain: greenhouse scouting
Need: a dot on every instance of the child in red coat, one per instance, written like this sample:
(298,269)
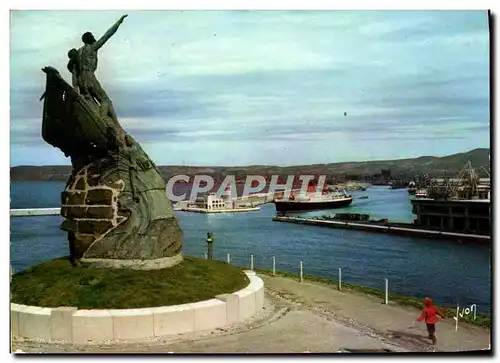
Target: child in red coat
(430,314)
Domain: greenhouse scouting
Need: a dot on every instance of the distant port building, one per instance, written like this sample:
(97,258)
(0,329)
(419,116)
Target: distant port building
(211,202)
(460,211)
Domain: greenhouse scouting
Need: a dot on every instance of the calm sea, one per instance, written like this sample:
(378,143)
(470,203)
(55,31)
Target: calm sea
(447,271)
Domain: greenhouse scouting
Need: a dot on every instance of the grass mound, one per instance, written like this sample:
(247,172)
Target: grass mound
(56,283)
(481,320)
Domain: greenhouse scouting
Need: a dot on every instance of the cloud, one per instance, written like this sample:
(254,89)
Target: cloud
(205,82)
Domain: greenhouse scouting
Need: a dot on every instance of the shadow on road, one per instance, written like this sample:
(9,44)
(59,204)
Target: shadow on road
(408,337)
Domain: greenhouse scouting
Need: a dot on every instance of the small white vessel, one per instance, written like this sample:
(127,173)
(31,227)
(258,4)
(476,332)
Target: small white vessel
(421,193)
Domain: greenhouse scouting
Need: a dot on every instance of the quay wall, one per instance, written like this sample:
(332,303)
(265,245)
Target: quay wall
(453,215)
(28,212)
(401,231)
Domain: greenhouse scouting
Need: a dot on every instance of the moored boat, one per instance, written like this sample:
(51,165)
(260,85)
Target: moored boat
(313,201)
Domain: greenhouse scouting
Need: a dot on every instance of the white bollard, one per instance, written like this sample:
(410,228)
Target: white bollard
(386,292)
(251,262)
(301,271)
(274,266)
(228,258)
(340,279)
(206,256)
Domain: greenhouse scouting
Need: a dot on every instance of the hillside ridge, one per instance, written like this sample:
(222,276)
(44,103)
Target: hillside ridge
(449,165)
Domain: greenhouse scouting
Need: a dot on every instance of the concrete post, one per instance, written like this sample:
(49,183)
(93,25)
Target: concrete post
(386,292)
(206,256)
(228,258)
(340,279)
(209,247)
(251,262)
(274,266)
(301,271)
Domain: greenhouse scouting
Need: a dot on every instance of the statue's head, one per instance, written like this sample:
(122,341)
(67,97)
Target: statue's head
(88,38)
(73,60)
(73,54)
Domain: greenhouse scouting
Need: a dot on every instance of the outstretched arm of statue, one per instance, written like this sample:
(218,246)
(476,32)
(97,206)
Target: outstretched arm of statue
(111,31)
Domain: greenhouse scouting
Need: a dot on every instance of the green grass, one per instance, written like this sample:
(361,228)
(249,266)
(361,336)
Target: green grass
(481,319)
(56,283)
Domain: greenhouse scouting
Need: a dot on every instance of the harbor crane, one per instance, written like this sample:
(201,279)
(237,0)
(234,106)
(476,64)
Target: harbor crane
(486,171)
(464,186)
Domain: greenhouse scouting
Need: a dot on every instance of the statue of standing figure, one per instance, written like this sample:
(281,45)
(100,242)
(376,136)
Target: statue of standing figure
(83,64)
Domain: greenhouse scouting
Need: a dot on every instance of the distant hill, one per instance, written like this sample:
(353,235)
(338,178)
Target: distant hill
(450,165)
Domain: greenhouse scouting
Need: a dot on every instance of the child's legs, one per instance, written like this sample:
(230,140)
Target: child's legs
(431,329)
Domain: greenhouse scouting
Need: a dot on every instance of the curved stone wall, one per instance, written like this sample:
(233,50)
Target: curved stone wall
(70,324)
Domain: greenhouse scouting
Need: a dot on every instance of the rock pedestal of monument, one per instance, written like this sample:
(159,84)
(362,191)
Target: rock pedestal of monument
(117,213)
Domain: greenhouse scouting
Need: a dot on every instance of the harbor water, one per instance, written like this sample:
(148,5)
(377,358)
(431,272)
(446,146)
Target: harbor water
(448,271)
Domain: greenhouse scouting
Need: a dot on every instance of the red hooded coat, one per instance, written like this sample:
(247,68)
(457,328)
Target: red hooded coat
(430,312)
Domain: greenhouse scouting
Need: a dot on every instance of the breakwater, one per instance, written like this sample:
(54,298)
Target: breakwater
(399,229)
(29,212)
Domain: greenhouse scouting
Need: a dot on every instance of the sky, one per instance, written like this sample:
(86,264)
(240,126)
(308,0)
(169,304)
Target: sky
(267,87)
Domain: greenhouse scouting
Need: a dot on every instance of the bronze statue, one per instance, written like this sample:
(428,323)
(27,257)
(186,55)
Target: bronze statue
(87,55)
(117,213)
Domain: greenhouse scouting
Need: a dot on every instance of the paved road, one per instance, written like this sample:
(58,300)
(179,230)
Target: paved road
(367,313)
(304,317)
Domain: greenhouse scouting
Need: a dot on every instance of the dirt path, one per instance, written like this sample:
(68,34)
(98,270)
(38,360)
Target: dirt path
(303,317)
